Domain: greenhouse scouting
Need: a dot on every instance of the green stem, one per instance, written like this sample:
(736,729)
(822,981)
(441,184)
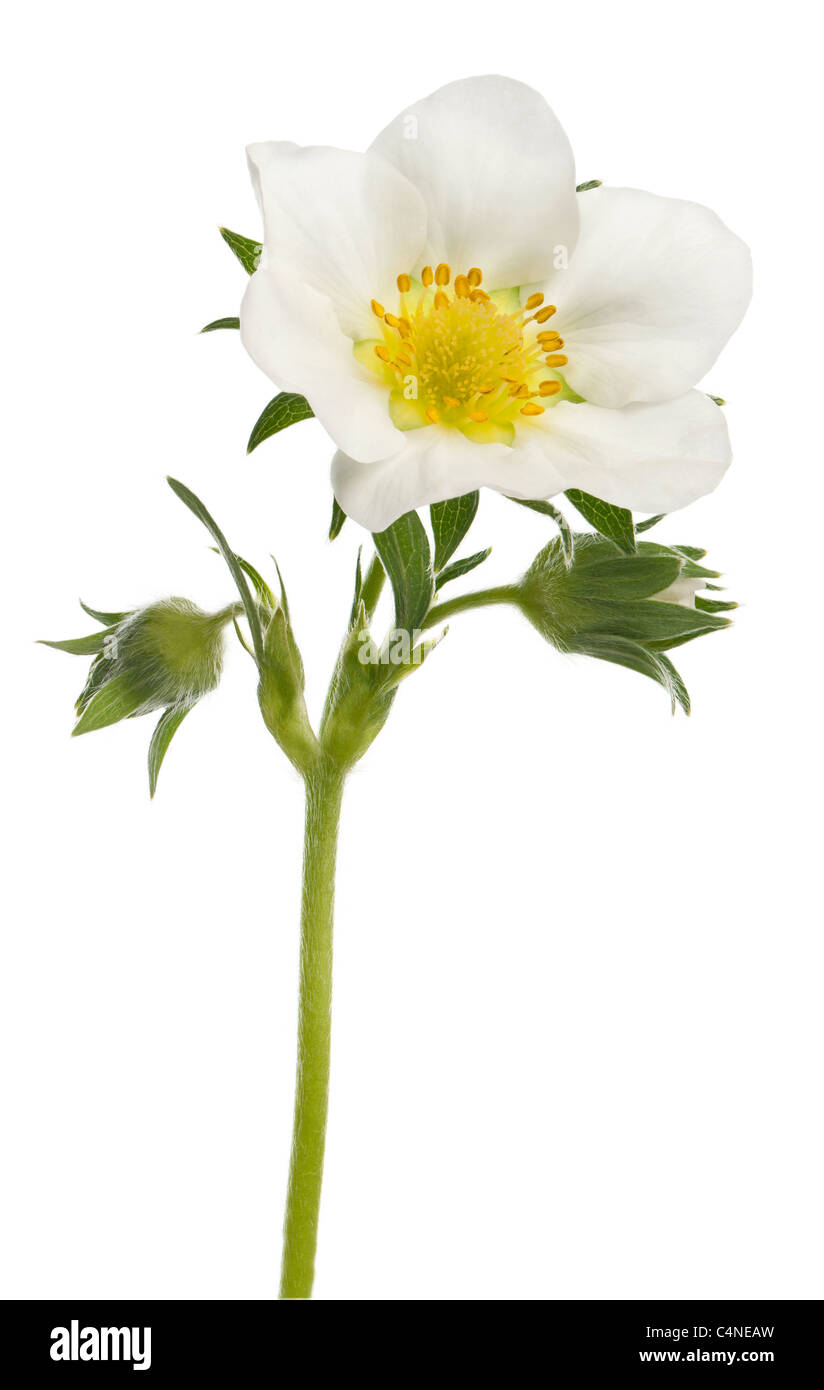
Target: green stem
(324,790)
(505,593)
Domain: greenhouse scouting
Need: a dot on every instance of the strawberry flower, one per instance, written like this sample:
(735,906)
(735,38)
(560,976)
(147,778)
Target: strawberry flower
(459,317)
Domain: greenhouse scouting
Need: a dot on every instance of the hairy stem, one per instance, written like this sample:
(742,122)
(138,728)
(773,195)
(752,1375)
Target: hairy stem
(482,598)
(324,789)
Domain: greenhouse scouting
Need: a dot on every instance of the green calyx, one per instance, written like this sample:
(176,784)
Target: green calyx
(618,607)
(165,656)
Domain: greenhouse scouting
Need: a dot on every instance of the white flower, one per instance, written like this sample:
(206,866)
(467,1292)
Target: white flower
(457,316)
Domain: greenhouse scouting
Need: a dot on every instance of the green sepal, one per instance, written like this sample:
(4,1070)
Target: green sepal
(652,621)
(719,400)
(623,652)
(107,619)
(613,522)
(165,730)
(338,518)
(220,323)
(404,551)
(691,553)
(81,646)
(460,567)
(287,408)
(115,700)
(590,183)
(649,523)
(246,250)
(625,577)
(450,522)
(98,673)
(259,584)
(356,597)
(714,605)
(547,509)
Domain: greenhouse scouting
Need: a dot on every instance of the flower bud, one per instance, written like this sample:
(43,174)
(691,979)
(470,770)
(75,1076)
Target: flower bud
(627,609)
(168,654)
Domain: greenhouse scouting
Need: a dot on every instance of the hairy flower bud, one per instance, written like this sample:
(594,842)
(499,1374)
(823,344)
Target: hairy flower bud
(628,609)
(168,654)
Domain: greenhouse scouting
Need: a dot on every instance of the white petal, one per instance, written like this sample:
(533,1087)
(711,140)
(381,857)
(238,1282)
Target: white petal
(497,173)
(652,458)
(292,333)
(347,224)
(653,292)
(682,590)
(436,463)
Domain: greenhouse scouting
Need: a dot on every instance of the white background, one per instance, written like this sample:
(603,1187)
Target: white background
(578,976)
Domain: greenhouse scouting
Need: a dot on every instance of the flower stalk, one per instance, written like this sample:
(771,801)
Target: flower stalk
(324,790)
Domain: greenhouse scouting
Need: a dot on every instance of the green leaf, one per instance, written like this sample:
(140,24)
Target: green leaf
(338,518)
(220,323)
(585,187)
(626,577)
(197,508)
(450,522)
(81,646)
(622,652)
(610,521)
(649,523)
(165,730)
(404,550)
(287,408)
(107,619)
(114,701)
(547,509)
(247,251)
(461,567)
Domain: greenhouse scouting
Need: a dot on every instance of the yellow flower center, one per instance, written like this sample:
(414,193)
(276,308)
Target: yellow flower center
(455,355)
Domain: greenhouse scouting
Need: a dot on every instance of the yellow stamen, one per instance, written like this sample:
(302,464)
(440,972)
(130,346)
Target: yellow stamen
(475,362)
